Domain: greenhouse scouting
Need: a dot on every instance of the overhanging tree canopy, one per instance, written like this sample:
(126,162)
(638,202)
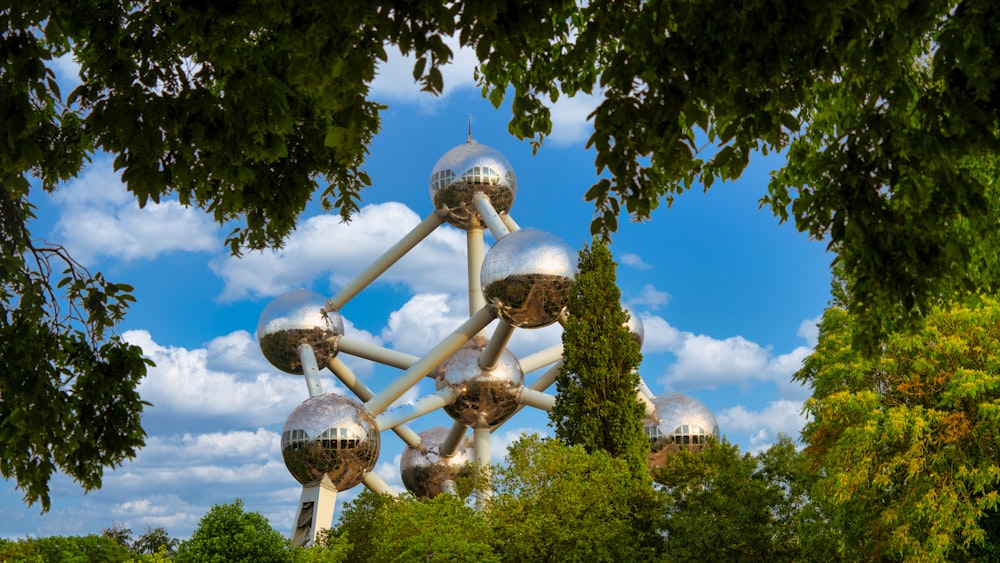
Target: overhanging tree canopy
(242,108)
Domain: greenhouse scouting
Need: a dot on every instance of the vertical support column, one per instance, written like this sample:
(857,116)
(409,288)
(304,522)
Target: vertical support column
(484,475)
(315,513)
(476,250)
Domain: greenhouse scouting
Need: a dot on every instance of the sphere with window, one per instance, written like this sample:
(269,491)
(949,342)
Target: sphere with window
(679,422)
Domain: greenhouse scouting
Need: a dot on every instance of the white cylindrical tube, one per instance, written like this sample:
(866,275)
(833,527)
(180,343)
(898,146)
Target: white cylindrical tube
(425,365)
(382,263)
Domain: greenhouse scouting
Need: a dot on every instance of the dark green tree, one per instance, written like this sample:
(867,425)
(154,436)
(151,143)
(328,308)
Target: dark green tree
(596,405)
(153,540)
(228,534)
(724,505)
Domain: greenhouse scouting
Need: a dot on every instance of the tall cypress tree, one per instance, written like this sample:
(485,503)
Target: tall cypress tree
(596,406)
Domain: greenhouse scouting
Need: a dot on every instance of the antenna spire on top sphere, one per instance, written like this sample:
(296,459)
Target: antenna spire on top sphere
(470,129)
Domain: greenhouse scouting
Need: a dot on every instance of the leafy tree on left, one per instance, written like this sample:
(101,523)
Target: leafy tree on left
(237,108)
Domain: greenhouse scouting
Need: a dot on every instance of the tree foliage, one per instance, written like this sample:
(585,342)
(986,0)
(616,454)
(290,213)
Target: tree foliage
(596,405)
(228,534)
(383,528)
(727,506)
(250,109)
(65,549)
(908,441)
(875,104)
(554,502)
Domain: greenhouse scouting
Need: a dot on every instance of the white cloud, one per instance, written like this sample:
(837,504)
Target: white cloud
(809,330)
(323,245)
(650,297)
(182,383)
(571,124)
(501,441)
(98,217)
(394,81)
(423,321)
(705,362)
(236,351)
(67,70)
(660,336)
(635,261)
(763,427)
(525,342)
(389,472)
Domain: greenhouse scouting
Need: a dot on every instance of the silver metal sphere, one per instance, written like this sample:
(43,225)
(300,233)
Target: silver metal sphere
(424,470)
(330,435)
(680,422)
(465,170)
(484,397)
(295,318)
(526,277)
(634,326)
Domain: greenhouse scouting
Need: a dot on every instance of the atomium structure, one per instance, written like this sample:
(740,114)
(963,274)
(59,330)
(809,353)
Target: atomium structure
(331,442)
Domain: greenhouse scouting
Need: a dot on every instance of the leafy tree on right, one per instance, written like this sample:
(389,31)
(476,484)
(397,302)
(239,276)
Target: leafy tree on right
(907,441)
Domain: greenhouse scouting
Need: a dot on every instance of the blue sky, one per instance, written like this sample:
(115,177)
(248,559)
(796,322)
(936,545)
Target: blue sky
(728,298)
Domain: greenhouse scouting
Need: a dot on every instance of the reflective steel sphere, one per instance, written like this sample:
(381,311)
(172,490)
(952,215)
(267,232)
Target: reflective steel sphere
(680,422)
(330,435)
(526,277)
(465,170)
(424,470)
(634,326)
(294,318)
(484,397)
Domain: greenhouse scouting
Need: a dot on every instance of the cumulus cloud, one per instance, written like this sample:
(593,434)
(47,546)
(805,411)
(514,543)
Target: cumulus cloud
(183,383)
(650,297)
(571,124)
(660,336)
(634,261)
(809,330)
(389,472)
(764,426)
(501,441)
(423,321)
(325,246)
(67,70)
(98,217)
(394,80)
(705,362)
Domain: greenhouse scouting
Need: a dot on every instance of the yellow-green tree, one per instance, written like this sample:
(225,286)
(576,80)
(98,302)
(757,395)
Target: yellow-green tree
(908,440)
